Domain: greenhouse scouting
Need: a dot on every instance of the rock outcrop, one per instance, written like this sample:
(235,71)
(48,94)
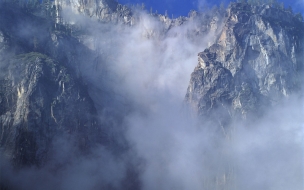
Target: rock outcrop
(103,10)
(256,61)
(39,100)
(45,63)
(110,11)
(42,96)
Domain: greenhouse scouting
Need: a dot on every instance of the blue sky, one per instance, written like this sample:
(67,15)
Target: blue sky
(182,7)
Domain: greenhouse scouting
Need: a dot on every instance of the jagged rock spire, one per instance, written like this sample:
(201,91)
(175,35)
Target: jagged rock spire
(254,63)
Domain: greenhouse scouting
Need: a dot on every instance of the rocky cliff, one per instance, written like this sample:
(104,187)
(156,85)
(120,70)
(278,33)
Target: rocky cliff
(256,61)
(55,79)
(103,10)
(41,99)
(41,94)
(255,64)
(44,74)
(110,11)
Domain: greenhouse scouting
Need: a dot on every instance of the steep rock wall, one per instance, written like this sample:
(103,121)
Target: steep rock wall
(256,61)
(41,99)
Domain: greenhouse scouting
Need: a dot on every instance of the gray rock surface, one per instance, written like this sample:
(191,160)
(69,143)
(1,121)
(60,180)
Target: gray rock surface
(104,10)
(113,12)
(41,99)
(42,96)
(256,61)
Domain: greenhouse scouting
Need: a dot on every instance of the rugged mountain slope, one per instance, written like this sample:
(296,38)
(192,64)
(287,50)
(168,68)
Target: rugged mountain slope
(41,99)
(255,64)
(109,11)
(41,94)
(104,10)
(48,87)
(44,74)
(256,61)
(45,98)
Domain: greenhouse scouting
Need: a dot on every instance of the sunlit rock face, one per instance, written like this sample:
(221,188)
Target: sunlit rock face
(104,10)
(255,62)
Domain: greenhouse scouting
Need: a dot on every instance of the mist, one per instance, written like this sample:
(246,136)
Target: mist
(138,82)
(152,70)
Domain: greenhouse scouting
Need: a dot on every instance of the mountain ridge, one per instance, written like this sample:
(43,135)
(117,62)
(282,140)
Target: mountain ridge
(56,79)
(242,64)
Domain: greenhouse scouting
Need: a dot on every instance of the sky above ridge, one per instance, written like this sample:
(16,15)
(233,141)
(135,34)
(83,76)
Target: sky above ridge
(182,7)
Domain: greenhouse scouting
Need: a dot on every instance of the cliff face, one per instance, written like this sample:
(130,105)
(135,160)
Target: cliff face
(103,10)
(56,79)
(41,94)
(41,99)
(256,61)
(110,11)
